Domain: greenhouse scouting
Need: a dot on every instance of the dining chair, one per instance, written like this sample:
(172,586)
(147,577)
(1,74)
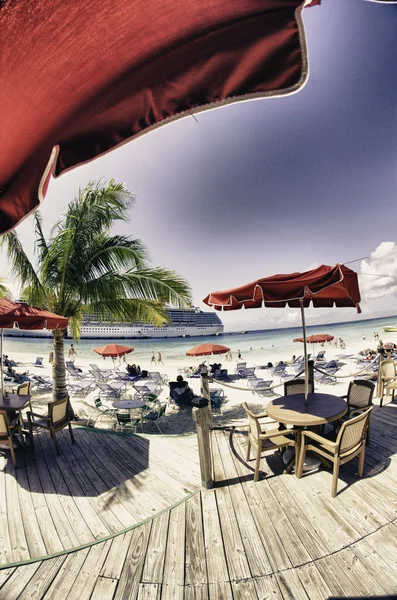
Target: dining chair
(359,399)
(296,386)
(7,430)
(388,378)
(260,440)
(155,414)
(349,443)
(56,419)
(127,420)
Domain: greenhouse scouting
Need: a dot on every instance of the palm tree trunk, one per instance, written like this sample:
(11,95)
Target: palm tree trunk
(59,387)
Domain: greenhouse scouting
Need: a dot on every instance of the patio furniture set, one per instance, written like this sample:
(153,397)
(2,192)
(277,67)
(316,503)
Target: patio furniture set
(301,426)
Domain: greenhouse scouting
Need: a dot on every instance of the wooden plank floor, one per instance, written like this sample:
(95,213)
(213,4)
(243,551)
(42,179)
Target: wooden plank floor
(98,486)
(281,537)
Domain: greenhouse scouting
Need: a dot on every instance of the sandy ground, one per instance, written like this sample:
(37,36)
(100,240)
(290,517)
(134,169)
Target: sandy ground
(180,420)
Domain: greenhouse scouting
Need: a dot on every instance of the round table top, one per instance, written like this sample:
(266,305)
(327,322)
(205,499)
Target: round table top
(129,404)
(321,409)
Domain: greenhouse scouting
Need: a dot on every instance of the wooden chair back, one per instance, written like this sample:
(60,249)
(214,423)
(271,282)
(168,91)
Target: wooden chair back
(360,393)
(254,428)
(4,425)
(388,368)
(352,433)
(58,410)
(296,386)
(24,389)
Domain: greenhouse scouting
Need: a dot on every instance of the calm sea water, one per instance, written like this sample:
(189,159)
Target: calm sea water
(270,343)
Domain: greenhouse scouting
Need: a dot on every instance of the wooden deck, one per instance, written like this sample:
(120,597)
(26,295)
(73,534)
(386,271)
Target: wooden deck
(280,538)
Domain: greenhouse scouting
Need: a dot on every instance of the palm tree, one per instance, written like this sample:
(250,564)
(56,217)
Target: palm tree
(82,267)
(4,291)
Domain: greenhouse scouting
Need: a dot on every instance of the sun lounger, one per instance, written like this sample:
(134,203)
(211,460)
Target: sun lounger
(42,383)
(38,362)
(260,386)
(81,388)
(114,390)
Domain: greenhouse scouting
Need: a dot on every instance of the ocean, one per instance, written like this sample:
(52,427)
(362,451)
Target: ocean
(265,346)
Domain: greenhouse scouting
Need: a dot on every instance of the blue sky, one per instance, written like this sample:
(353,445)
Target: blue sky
(275,185)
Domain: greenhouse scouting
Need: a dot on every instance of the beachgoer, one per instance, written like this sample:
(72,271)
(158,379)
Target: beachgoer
(381,349)
(153,359)
(72,353)
(51,357)
(131,370)
(159,359)
(239,354)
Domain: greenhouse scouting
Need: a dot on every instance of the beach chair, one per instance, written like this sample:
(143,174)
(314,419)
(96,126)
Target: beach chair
(74,373)
(260,386)
(350,442)
(217,397)
(42,383)
(159,377)
(107,390)
(221,375)
(320,355)
(155,414)
(38,362)
(259,440)
(127,420)
(101,374)
(56,420)
(8,428)
(82,387)
(148,386)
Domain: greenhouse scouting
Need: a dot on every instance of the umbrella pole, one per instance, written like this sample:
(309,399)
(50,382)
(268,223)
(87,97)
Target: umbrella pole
(1,368)
(305,351)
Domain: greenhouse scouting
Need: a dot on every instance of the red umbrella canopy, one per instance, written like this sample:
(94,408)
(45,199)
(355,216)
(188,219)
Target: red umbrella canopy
(100,73)
(207,350)
(318,338)
(113,350)
(28,317)
(322,287)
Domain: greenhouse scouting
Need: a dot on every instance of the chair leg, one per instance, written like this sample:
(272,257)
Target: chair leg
(71,433)
(257,463)
(361,461)
(14,460)
(54,438)
(31,439)
(248,449)
(335,476)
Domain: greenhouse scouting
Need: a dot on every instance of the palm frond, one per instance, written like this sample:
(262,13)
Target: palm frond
(41,245)
(5,292)
(21,266)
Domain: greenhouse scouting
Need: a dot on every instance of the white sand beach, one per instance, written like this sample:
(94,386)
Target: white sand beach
(236,392)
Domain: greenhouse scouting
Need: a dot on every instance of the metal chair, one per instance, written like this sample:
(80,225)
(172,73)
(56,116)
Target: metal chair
(349,443)
(56,419)
(260,440)
(104,410)
(155,414)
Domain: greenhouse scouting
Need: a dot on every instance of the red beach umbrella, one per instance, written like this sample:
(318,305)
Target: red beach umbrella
(113,350)
(20,314)
(207,350)
(318,338)
(322,287)
(101,73)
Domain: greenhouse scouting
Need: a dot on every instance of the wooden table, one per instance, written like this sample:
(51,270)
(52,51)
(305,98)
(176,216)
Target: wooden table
(14,402)
(320,410)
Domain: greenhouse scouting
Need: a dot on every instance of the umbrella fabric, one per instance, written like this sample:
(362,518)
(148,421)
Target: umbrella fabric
(322,287)
(101,73)
(318,338)
(113,350)
(28,317)
(207,350)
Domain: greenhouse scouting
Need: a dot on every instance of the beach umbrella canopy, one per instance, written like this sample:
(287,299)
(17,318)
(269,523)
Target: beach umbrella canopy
(113,350)
(323,287)
(20,314)
(79,78)
(318,338)
(207,350)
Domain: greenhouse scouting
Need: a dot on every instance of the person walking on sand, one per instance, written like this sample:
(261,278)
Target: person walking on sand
(72,353)
(153,359)
(239,354)
(159,359)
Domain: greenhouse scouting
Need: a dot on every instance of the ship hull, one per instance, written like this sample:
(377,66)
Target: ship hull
(126,332)
(390,329)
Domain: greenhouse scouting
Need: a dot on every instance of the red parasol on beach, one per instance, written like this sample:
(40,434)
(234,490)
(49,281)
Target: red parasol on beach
(322,287)
(101,73)
(207,350)
(113,350)
(318,338)
(23,316)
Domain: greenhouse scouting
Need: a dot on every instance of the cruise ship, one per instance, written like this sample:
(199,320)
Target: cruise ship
(182,323)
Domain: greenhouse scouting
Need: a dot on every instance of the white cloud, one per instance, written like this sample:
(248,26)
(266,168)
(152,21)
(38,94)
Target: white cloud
(378,276)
